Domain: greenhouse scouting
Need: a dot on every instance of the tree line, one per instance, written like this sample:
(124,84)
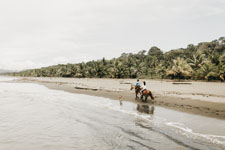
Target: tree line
(204,61)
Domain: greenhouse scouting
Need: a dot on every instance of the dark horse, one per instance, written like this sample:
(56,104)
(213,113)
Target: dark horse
(137,90)
(145,94)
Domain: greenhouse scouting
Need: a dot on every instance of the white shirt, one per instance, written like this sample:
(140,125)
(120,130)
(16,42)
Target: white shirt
(144,88)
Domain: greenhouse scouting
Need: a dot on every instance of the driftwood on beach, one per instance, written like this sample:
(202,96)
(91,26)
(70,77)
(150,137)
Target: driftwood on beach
(84,88)
(182,83)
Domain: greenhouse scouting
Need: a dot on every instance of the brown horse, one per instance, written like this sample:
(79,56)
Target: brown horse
(137,90)
(146,94)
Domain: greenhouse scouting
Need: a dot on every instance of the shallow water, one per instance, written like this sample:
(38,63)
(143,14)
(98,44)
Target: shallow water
(34,117)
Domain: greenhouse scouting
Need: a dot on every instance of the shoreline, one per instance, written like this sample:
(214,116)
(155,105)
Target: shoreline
(201,101)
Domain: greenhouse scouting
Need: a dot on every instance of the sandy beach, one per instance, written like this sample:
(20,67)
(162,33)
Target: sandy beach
(203,98)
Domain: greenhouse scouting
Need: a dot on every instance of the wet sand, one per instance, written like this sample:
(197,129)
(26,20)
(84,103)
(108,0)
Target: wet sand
(203,98)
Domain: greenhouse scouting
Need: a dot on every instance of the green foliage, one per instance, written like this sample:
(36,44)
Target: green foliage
(179,69)
(205,61)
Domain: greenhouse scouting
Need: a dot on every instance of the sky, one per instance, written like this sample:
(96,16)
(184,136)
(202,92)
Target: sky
(39,33)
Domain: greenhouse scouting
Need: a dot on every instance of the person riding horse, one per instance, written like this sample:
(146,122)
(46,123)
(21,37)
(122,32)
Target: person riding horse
(142,91)
(138,84)
(144,87)
(138,88)
(145,92)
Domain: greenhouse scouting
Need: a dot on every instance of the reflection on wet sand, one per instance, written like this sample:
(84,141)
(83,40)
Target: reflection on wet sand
(145,109)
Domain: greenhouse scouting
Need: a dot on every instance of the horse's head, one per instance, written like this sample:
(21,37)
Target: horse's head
(132,87)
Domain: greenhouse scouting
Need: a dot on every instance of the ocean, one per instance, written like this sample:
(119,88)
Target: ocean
(33,117)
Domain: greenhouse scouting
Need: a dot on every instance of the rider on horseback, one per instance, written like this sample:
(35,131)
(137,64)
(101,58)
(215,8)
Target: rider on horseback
(138,84)
(144,87)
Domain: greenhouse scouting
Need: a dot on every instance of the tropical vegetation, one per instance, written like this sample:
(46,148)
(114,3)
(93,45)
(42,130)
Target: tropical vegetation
(204,61)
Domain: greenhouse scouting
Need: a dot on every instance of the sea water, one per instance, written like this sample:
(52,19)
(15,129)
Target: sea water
(35,117)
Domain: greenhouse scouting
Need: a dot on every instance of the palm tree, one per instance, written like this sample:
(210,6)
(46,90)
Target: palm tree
(213,71)
(221,67)
(207,71)
(160,70)
(179,69)
(197,60)
(221,72)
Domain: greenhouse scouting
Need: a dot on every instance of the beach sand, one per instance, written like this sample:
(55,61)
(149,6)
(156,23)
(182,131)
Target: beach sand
(203,98)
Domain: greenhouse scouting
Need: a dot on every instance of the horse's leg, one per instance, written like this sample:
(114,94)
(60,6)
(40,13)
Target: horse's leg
(136,95)
(146,98)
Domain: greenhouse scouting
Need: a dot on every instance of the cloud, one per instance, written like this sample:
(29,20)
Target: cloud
(46,32)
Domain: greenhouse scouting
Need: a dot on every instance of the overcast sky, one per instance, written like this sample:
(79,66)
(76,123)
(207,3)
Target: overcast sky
(36,33)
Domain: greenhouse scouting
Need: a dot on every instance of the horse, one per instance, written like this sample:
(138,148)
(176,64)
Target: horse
(137,90)
(146,94)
